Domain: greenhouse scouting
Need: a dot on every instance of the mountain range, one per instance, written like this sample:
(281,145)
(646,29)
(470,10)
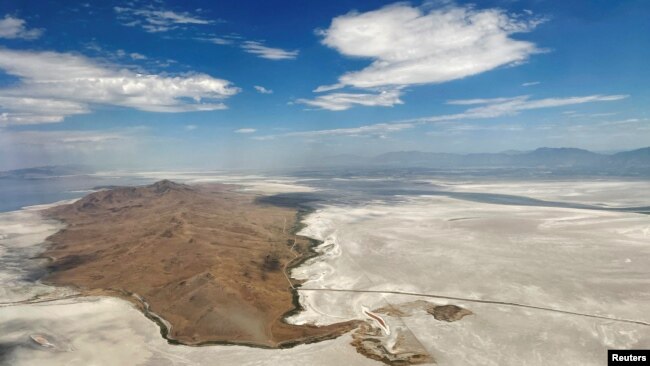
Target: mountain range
(46,171)
(569,160)
(543,158)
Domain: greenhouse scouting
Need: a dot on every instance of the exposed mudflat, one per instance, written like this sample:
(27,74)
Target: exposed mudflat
(207,263)
(396,344)
(475,276)
(571,282)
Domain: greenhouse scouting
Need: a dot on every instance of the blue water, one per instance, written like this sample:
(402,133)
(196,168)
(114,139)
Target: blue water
(16,193)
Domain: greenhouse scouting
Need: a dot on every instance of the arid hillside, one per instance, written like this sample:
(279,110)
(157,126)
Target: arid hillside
(210,261)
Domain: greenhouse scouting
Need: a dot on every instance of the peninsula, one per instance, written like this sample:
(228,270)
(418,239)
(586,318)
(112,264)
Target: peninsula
(208,263)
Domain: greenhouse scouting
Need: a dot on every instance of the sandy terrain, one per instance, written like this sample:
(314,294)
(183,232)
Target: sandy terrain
(209,261)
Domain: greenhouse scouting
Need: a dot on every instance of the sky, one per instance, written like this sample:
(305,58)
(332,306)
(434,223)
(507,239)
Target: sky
(269,84)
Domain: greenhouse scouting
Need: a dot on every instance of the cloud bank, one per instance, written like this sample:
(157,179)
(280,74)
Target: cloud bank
(54,85)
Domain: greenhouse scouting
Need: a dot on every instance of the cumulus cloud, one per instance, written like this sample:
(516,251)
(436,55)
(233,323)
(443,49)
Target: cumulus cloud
(14,28)
(154,20)
(263,90)
(343,101)
(270,53)
(27,110)
(487,108)
(246,130)
(54,85)
(410,45)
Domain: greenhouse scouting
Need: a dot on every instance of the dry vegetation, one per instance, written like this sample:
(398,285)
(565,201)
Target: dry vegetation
(209,260)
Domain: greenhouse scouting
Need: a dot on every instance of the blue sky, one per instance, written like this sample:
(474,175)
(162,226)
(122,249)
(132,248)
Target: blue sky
(270,83)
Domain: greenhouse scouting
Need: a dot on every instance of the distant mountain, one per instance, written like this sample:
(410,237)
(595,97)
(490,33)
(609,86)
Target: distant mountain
(415,158)
(559,157)
(549,157)
(542,158)
(513,152)
(46,171)
(639,157)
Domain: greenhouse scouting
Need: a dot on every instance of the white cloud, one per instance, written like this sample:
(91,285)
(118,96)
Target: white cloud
(14,28)
(263,90)
(480,101)
(378,130)
(455,129)
(509,106)
(490,108)
(343,101)
(589,115)
(627,121)
(217,40)
(257,48)
(54,85)
(191,127)
(324,88)
(245,130)
(92,48)
(410,45)
(138,56)
(155,20)
(531,83)
(26,110)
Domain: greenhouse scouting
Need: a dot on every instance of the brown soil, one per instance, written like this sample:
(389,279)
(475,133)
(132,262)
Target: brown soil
(448,313)
(370,342)
(212,262)
(406,350)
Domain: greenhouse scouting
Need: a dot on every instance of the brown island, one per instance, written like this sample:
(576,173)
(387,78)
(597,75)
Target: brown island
(208,263)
